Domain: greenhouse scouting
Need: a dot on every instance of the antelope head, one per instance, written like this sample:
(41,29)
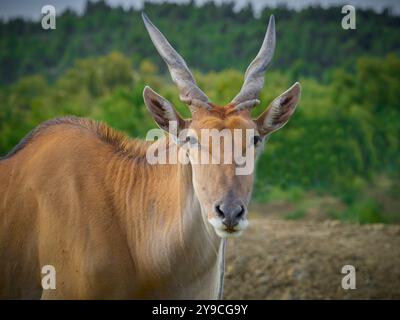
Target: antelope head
(223,192)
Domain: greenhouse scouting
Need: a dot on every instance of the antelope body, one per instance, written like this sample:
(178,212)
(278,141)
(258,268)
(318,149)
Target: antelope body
(81,197)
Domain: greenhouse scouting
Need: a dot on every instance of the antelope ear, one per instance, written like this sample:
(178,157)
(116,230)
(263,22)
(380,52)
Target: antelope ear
(280,111)
(163,112)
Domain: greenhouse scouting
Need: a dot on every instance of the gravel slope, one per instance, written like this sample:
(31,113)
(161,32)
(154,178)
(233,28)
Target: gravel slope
(278,259)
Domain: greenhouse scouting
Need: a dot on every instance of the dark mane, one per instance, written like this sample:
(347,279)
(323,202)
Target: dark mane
(121,143)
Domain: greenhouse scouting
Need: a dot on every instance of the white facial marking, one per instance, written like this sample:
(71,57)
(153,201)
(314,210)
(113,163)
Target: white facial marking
(243,223)
(216,223)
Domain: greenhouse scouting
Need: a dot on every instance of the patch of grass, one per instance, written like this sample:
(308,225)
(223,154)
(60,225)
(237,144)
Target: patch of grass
(362,211)
(295,194)
(359,201)
(295,215)
(276,193)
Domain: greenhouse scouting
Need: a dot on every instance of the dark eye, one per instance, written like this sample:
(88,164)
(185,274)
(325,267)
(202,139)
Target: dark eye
(192,140)
(256,140)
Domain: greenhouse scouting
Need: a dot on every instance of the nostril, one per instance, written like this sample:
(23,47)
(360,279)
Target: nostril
(219,211)
(241,212)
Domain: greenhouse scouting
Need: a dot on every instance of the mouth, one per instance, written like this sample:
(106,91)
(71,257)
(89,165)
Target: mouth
(230,230)
(227,231)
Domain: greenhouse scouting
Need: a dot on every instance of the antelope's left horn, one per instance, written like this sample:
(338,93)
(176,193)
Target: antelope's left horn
(189,92)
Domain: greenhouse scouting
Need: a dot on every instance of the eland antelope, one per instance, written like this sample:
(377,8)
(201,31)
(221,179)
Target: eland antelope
(81,197)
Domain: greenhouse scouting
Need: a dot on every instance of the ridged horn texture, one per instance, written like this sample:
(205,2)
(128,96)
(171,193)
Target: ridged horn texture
(254,76)
(189,92)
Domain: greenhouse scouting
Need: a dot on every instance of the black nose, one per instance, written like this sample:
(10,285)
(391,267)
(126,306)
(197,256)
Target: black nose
(230,213)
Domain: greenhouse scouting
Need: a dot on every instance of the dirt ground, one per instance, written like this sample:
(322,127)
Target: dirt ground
(279,259)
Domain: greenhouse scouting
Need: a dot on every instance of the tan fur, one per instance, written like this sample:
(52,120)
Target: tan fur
(81,197)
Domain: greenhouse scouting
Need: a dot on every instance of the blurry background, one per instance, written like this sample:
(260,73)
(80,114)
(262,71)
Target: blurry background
(334,167)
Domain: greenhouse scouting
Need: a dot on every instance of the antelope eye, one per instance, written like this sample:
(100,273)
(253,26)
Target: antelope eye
(256,140)
(192,140)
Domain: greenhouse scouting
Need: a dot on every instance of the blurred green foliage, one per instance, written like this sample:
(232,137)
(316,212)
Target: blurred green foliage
(345,131)
(210,37)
